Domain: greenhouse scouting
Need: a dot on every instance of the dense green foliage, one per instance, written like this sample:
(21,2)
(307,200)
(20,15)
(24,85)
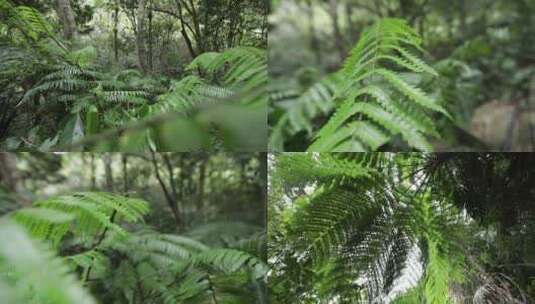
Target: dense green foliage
(401,228)
(478,70)
(382,100)
(75,93)
(101,247)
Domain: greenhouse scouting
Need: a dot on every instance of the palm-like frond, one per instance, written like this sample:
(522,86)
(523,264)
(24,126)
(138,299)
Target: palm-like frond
(220,108)
(375,219)
(324,169)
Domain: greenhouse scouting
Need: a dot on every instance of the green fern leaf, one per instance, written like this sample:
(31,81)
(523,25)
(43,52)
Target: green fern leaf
(369,92)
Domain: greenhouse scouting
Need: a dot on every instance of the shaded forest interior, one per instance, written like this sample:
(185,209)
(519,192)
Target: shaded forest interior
(136,228)
(131,75)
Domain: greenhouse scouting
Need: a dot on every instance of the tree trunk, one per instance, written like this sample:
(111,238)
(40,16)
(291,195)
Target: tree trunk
(184,31)
(234,25)
(66,16)
(10,177)
(124,159)
(170,194)
(115,32)
(8,171)
(150,65)
(462,18)
(93,176)
(108,172)
(141,14)
(263,171)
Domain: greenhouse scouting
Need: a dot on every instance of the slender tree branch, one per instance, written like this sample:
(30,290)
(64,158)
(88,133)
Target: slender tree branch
(170,201)
(98,242)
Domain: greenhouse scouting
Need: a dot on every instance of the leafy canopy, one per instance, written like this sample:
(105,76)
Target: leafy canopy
(373,227)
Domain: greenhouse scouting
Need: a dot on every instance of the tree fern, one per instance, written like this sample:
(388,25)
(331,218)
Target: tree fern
(230,261)
(93,100)
(74,106)
(218,106)
(189,92)
(300,169)
(375,219)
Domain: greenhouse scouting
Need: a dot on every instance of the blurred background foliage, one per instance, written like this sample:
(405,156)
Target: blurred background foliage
(483,51)
(204,187)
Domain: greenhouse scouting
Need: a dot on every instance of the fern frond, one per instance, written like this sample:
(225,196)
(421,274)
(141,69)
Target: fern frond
(67,72)
(413,93)
(67,81)
(44,223)
(370,90)
(245,67)
(190,267)
(27,19)
(437,278)
(94,259)
(127,74)
(223,234)
(15,61)
(300,108)
(91,212)
(369,224)
(328,170)
(166,248)
(191,92)
(135,96)
(206,61)
(230,261)
(84,57)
